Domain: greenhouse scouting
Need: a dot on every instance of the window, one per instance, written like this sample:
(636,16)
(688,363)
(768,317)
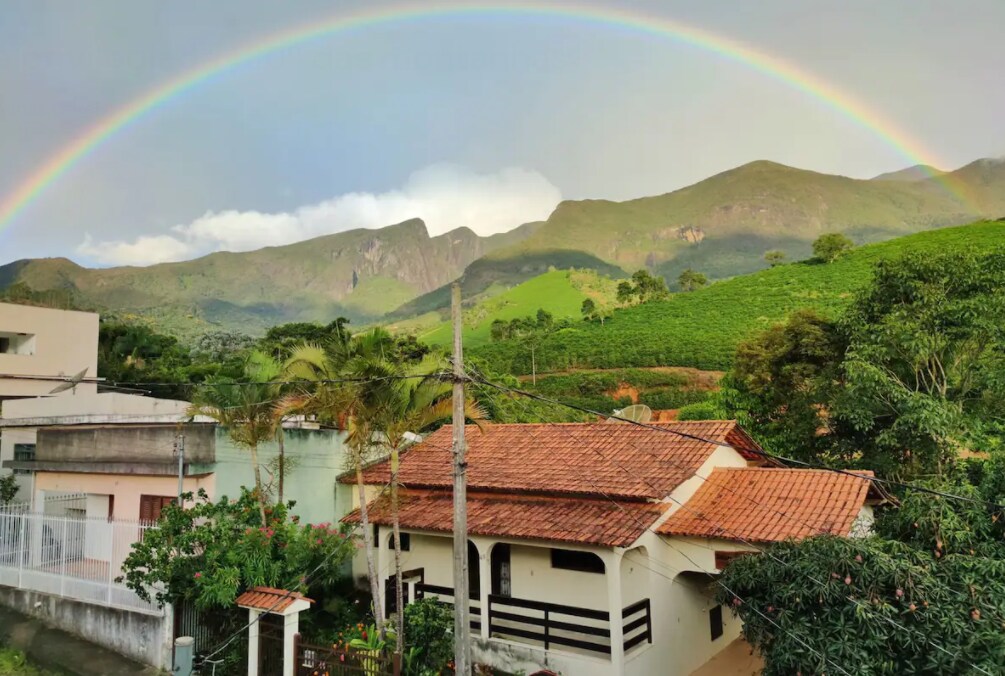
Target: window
(151,506)
(567,559)
(406,542)
(17,343)
(24,453)
(715,622)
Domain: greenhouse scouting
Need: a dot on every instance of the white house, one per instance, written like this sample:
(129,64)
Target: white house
(595,548)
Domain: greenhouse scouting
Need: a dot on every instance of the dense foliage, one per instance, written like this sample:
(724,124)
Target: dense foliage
(210,552)
(913,372)
(831,246)
(689,280)
(924,596)
(8,488)
(642,288)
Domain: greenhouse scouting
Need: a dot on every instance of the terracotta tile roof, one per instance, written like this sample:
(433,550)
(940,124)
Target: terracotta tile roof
(770,504)
(269,599)
(527,517)
(615,459)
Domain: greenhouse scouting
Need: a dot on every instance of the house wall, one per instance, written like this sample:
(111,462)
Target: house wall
(316,458)
(65,343)
(8,439)
(126,488)
(534,578)
(131,447)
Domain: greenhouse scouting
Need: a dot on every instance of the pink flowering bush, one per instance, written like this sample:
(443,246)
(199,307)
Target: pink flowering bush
(211,552)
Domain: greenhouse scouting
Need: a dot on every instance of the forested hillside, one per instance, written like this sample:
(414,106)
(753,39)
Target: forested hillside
(702,328)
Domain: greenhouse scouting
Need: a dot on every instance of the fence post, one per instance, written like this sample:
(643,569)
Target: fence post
(297,638)
(396,664)
(547,629)
(62,563)
(111,558)
(23,545)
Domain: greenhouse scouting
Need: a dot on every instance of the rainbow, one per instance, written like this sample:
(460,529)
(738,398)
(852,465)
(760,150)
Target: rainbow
(94,136)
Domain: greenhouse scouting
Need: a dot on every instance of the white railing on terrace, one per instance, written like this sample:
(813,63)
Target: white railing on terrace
(77,558)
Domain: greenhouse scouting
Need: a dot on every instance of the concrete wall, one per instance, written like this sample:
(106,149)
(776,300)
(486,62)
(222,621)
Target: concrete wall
(81,404)
(141,636)
(65,343)
(8,438)
(134,446)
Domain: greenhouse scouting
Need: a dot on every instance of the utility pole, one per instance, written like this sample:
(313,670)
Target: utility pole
(179,449)
(462,622)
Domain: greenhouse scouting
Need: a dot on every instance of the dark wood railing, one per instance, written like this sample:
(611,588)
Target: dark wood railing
(637,624)
(509,617)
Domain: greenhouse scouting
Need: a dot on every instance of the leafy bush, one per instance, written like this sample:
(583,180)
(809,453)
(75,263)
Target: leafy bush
(702,410)
(211,552)
(429,626)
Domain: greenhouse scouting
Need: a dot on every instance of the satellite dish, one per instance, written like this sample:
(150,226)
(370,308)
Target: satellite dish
(639,413)
(70,384)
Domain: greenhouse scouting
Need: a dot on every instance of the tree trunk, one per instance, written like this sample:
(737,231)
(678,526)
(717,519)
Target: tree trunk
(371,567)
(258,483)
(281,438)
(396,525)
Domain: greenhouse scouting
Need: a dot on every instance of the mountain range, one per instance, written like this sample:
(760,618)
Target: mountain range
(721,226)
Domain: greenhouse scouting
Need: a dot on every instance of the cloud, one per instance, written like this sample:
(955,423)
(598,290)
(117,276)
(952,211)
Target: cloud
(445,196)
(145,250)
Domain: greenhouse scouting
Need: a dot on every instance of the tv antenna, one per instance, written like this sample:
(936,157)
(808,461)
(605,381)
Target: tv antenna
(70,384)
(639,413)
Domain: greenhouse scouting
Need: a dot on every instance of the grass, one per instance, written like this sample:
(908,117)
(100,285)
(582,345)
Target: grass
(701,329)
(14,663)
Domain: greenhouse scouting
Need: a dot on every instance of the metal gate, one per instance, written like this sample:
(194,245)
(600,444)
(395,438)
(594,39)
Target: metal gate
(270,645)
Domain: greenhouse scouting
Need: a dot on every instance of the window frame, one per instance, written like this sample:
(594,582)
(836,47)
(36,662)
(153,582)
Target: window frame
(715,624)
(577,560)
(21,449)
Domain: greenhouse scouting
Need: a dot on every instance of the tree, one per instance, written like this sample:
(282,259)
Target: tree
(924,372)
(281,340)
(393,407)
(690,280)
(545,320)
(588,309)
(781,384)
(625,292)
(872,606)
(775,257)
(831,246)
(246,410)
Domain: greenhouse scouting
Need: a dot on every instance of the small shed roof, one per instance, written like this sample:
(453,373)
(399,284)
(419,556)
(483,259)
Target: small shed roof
(276,601)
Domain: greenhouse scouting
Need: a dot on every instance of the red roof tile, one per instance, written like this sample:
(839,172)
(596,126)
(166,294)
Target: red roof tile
(270,599)
(620,460)
(770,504)
(526,517)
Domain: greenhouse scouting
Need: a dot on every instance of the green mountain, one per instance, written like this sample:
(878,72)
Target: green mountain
(701,329)
(720,226)
(361,274)
(918,172)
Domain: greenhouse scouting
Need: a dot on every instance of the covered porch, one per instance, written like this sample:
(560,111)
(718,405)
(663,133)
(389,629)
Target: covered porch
(575,609)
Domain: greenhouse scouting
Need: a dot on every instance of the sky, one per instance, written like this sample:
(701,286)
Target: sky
(482,120)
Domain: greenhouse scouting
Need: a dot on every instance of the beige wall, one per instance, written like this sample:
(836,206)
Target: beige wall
(127,489)
(65,343)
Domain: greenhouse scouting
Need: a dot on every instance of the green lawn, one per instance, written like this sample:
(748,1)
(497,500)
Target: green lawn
(701,329)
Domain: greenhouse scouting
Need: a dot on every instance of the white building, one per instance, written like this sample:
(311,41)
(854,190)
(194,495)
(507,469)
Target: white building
(594,548)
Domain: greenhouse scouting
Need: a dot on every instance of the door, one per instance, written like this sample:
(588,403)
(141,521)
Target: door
(501,575)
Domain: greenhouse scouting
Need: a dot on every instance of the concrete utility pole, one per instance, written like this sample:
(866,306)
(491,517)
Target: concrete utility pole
(179,449)
(462,622)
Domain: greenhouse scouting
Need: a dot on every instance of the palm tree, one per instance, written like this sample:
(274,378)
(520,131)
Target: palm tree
(325,392)
(246,410)
(398,403)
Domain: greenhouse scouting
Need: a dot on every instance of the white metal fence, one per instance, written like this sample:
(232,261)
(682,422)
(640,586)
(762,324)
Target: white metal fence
(75,557)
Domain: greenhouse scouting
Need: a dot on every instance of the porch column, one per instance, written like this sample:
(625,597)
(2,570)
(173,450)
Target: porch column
(612,563)
(253,641)
(291,625)
(484,583)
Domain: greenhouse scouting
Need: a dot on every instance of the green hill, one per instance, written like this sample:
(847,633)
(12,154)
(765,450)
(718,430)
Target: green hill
(701,329)
(560,292)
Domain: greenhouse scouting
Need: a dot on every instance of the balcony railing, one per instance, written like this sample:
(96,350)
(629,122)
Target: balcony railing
(552,624)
